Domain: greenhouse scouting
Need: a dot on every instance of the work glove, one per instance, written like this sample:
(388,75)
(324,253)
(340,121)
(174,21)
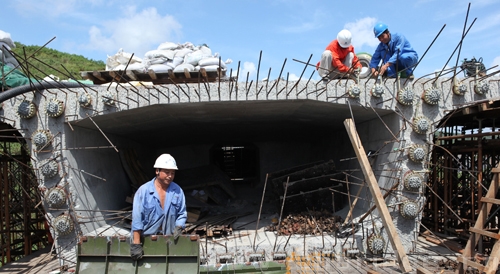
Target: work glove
(177,232)
(136,251)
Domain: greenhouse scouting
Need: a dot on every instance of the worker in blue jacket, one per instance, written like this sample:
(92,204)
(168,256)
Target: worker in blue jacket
(396,53)
(159,206)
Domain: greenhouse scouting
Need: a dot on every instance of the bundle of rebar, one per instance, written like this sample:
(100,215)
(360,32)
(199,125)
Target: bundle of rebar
(311,223)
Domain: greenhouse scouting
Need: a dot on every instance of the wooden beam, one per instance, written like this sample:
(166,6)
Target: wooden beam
(404,262)
(493,235)
(490,200)
(422,270)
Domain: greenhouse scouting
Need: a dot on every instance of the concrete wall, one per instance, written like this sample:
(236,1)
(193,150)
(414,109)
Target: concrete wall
(96,181)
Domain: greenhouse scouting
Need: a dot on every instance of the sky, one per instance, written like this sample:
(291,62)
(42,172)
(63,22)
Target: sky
(262,37)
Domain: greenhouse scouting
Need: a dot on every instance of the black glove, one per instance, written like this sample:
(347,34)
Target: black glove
(177,232)
(136,251)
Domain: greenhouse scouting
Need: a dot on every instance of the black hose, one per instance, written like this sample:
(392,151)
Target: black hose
(13,92)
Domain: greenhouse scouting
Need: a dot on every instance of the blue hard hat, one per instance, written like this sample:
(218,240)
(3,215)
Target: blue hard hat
(379,29)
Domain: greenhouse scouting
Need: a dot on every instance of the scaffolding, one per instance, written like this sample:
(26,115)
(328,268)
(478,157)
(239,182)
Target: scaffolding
(466,148)
(24,229)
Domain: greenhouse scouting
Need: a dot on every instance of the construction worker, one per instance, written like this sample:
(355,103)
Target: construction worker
(339,58)
(396,53)
(159,206)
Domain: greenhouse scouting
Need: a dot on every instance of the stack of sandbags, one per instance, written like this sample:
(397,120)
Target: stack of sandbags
(122,60)
(181,57)
(170,56)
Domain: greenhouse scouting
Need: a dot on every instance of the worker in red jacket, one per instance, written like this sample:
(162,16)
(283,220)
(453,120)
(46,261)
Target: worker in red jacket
(339,58)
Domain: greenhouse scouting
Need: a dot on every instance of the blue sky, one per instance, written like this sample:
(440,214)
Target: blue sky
(241,30)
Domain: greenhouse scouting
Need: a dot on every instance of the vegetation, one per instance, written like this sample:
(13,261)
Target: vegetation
(41,62)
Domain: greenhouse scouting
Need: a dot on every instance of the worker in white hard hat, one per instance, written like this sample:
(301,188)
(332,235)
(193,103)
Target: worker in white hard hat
(159,206)
(339,58)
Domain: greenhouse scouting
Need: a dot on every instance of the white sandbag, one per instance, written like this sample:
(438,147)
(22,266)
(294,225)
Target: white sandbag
(212,68)
(207,52)
(160,68)
(5,37)
(155,61)
(137,67)
(159,53)
(211,61)
(181,67)
(119,67)
(168,46)
(182,52)
(175,62)
(121,58)
(193,58)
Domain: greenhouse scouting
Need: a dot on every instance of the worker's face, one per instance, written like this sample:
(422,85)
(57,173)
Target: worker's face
(385,37)
(165,174)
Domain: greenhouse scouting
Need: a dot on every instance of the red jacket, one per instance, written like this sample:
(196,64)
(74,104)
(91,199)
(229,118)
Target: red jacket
(338,55)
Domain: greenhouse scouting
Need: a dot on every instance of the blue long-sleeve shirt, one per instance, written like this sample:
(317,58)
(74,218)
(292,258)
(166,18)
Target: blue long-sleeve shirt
(150,217)
(389,52)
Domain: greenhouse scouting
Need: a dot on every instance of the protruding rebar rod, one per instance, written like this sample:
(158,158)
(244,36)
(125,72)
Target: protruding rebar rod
(307,83)
(279,78)
(304,70)
(102,132)
(258,71)
(260,210)
(459,43)
(281,213)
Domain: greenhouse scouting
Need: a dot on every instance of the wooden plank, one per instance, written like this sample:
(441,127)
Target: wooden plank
(372,183)
(186,73)
(421,270)
(492,265)
(495,170)
(98,75)
(203,73)
(131,75)
(152,74)
(481,219)
(485,233)
(115,75)
(490,200)
(467,262)
(171,74)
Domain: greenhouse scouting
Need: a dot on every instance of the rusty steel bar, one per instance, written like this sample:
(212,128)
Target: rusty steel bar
(102,132)
(281,213)
(260,210)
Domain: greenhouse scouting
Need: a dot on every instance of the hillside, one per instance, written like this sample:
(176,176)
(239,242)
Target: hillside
(46,61)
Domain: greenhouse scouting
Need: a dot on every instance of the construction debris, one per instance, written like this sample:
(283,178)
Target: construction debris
(312,223)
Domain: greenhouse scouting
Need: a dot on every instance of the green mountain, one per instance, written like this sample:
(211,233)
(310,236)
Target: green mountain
(38,62)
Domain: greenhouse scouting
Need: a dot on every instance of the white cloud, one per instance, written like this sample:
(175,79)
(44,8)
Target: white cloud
(293,77)
(135,32)
(362,32)
(247,69)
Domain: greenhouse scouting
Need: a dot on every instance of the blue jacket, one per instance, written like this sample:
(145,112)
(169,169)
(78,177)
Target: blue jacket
(389,53)
(147,214)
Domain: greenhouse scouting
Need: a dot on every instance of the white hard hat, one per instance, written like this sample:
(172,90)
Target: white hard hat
(344,38)
(165,161)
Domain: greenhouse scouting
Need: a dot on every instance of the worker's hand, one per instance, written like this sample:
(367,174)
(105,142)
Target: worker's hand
(177,232)
(374,73)
(357,71)
(136,251)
